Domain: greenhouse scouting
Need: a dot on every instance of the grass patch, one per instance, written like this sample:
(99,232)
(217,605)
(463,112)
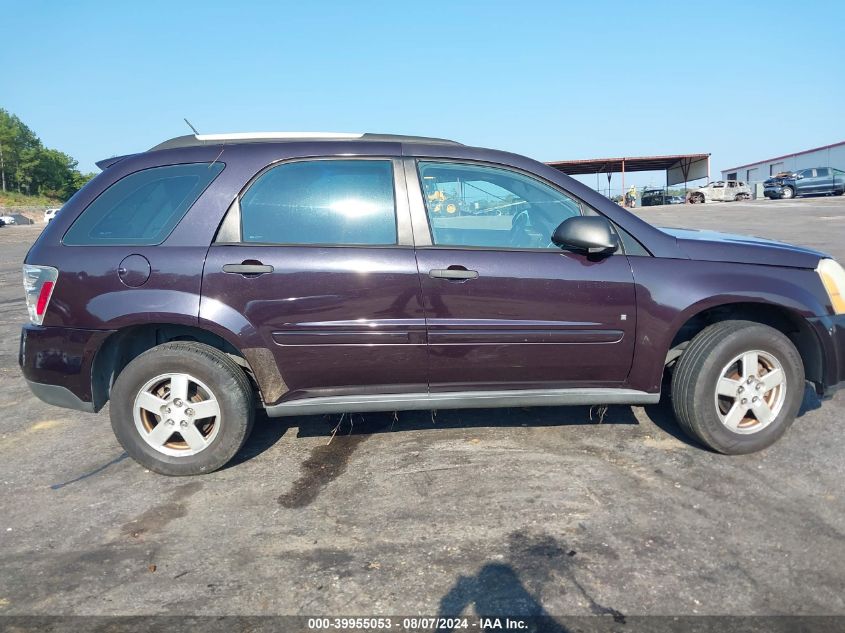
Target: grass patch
(15,199)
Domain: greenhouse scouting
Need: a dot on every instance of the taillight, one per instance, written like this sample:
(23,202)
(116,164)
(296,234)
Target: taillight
(38,284)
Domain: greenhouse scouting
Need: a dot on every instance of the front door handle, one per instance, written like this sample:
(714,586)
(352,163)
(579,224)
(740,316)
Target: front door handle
(452,273)
(248,268)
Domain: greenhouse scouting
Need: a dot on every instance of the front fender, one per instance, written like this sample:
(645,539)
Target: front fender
(670,292)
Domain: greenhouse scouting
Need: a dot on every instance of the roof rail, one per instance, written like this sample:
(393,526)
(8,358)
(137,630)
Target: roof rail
(195,140)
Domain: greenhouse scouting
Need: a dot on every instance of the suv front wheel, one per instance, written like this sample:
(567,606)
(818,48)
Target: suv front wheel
(738,386)
(182,408)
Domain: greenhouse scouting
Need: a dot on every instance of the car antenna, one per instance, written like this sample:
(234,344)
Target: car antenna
(196,133)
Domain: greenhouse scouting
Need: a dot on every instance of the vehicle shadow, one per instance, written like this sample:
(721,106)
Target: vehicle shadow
(811,401)
(355,426)
(433,420)
(268,431)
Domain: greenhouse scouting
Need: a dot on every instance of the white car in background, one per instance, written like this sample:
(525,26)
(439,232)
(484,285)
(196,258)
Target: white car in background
(49,214)
(7,219)
(720,191)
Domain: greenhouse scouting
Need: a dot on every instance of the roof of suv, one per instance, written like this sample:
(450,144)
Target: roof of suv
(196,140)
(240,138)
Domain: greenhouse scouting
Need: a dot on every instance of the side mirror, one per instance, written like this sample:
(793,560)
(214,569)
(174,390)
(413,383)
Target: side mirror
(590,233)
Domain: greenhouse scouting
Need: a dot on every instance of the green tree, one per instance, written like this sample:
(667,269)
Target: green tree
(28,167)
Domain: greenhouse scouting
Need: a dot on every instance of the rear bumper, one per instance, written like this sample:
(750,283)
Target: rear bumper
(831,333)
(59,396)
(57,363)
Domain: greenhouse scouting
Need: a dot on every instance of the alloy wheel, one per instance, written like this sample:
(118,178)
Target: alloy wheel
(750,392)
(176,414)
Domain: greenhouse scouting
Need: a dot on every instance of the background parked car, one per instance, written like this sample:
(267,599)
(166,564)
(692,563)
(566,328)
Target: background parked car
(16,218)
(807,182)
(49,214)
(721,190)
(653,197)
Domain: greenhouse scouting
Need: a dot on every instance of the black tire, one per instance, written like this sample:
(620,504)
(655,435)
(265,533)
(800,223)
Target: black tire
(698,370)
(224,378)
(789,196)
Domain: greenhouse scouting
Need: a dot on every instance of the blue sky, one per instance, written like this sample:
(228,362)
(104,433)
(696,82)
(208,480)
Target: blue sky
(550,79)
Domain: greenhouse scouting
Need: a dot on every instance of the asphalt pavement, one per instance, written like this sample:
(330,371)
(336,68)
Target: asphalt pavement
(523,511)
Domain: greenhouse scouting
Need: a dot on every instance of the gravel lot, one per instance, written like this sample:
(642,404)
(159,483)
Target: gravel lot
(514,511)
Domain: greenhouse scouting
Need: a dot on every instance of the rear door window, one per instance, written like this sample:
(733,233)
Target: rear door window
(142,208)
(321,202)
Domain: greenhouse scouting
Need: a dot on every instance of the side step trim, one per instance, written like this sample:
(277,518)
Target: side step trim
(461,400)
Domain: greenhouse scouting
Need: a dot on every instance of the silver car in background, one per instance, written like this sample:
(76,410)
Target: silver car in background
(720,191)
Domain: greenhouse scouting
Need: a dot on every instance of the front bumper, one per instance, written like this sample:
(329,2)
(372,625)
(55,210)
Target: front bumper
(773,192)
(57,362)
(831,333)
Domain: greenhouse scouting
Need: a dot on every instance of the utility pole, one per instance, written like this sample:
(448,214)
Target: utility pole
(2,168)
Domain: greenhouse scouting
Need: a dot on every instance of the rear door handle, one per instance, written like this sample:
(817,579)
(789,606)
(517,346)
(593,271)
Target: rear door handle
(452,273)
(247,269)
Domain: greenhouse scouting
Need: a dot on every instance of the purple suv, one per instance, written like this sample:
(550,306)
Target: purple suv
(327,273)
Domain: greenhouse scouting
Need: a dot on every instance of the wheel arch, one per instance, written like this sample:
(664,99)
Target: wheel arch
(785,320)
(122,346)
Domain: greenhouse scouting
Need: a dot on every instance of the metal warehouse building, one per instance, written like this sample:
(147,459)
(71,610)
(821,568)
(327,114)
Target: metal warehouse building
(827,156)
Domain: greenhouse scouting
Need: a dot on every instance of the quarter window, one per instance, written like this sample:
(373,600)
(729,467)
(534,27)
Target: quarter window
(332,202)
(142,208)
(474,205)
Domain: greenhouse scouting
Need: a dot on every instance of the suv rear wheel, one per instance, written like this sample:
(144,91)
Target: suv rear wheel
(182,408)
(738,386)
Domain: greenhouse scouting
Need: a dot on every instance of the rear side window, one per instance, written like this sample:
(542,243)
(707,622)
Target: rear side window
(329,202)
(142,208)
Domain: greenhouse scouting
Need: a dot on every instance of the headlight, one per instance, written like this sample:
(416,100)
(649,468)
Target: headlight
(833,278)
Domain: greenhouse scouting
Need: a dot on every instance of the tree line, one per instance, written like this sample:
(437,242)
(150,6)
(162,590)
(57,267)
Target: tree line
(26,166)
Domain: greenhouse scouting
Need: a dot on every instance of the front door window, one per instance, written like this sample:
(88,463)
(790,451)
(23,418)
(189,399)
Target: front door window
(488,207)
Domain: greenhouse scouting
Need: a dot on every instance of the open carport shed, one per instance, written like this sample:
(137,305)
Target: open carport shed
(680,168)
